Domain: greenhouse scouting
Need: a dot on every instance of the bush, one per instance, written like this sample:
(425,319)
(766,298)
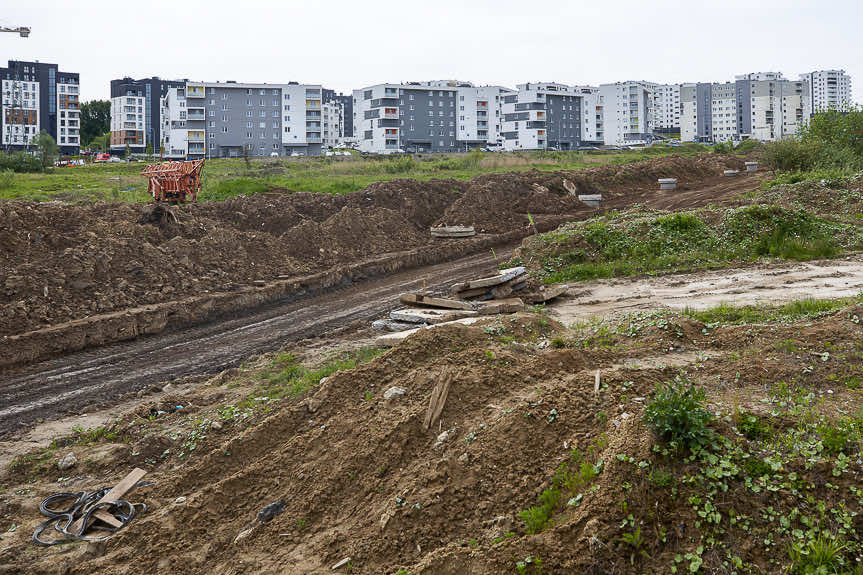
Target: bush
(677,413)
(831,140)
(20,162)
(748,146)
(401,165)
(7,178)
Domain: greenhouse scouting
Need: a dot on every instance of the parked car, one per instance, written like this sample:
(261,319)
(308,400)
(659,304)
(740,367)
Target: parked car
(115,160)
(274,154)
(102,157)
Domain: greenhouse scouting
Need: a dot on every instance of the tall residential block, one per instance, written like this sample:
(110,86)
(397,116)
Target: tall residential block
(628,108)
(770,107)
(135,113)
(666,108)
(36,96)
(828,90)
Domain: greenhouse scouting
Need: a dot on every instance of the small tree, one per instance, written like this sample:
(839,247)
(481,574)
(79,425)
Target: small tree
(150,149)
(161,150)
(128,150)
(48,149)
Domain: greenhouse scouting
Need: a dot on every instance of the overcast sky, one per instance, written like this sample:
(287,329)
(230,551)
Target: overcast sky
(350,44)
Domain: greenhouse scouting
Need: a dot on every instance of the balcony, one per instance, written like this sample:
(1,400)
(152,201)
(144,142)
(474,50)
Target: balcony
(313,138)
(313,105)
(195,115)
(391,114)
(195,137)
(195,92)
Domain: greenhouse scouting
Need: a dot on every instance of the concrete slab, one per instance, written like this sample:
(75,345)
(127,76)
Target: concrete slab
(453,232)
(391,325)
(511,305)
(545,293)
(751,166)
(592,200)
(502,276)
(431,301)
(429,316)
(667,183)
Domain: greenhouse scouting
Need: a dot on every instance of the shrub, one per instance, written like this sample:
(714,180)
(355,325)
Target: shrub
(677,413)
(20,162)
(536,518)
(7,178)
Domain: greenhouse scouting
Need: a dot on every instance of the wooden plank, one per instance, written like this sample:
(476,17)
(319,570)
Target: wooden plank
(438,399)
(115,493)
(446,303)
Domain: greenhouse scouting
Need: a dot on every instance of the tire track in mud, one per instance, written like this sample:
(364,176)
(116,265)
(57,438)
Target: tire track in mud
(69,383)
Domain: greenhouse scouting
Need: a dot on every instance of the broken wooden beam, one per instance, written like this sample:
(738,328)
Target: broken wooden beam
(115,493)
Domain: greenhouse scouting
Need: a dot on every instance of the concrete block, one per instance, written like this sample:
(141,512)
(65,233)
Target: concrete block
(751,166)
(429,316)
(453,232)
(667,183)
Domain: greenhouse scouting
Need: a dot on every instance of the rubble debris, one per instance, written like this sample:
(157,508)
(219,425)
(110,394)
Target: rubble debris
(545,293)
(68,461)
(105,504)
(443,437)
(730,173)
(591,200)
(275,508)
(511,305)
(571,188)
(751,166)
(342,563)
(438,398)
(394,391)
(392,325)
(431,301)
(667,183)
(428,316)
(453,231)
(501,277)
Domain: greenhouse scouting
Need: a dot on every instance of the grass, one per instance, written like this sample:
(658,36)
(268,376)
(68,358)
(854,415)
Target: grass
(791,311)
(639,242)
(225,178)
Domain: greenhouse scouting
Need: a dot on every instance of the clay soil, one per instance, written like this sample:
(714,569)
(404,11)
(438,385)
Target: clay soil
(62,261)
(361,476)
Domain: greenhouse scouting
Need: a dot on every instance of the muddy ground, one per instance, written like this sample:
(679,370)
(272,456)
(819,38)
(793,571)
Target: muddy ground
(362,478)
(62,262)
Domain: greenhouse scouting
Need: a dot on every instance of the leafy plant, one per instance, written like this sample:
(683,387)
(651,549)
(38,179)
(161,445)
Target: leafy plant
(822,554)
(677,413)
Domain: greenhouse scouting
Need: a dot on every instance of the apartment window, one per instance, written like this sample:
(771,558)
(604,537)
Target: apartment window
(211,113)
(262,102)
(212,135)
(461,118)
(431,93)
(262,124)
(287,107)
(411,97)
(263,114)
(248,102)
(263,135)
(275,136)
(461,108)
(275,113)
(212,124)
(275,93)
(287,96)
(224,95)
(249,93)
(248,113)
(461,98)
(211,91)
(275,102)
(212,102)
(431,113)
(263,93)
(248,135)
(287,118)
(248,124)
(275,124)
(224,118)
(412,108)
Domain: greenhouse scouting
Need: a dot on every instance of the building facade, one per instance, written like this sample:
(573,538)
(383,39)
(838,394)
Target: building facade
(413,117)
(770,107)
(628,108)
(35,96)
(828,90)
(666,108)
(136,107)
(333,117)
(548,115)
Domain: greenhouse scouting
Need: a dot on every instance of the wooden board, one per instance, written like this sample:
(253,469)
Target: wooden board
(420,299)
(115,493)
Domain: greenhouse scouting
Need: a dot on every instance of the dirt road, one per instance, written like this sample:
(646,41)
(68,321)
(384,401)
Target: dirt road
(756,285)
(70,383)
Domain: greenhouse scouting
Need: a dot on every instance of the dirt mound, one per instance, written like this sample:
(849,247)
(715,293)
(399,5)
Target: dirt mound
(60,262)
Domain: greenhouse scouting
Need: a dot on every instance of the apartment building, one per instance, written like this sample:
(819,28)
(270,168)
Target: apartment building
(592,127)
(828,90)
(347,102)
(480,115)
(136,106)
(770,107)
(666,108)
(412,117)
(36,96)
(548,115)
(332,113)
(628,112)
(723,112)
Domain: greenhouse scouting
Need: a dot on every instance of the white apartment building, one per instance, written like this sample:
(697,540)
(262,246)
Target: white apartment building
(174,134)
(20,112)
(549,115)
(828,89)
(666,108)
(333,123)
(723,112)
(592,126)
(479,117)
(771,107)
(628,112)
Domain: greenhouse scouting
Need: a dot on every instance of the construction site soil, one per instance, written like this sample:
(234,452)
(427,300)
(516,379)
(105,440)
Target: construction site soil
(363,478)
(61,262)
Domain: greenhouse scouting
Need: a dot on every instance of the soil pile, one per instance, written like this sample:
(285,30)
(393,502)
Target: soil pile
(60,262)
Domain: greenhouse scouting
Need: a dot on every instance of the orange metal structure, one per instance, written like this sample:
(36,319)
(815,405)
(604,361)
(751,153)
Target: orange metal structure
(174,182)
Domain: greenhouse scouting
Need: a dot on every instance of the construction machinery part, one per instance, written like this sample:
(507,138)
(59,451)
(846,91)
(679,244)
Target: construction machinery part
(174,182)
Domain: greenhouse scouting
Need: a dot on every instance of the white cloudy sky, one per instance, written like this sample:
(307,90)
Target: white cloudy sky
(347,44)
